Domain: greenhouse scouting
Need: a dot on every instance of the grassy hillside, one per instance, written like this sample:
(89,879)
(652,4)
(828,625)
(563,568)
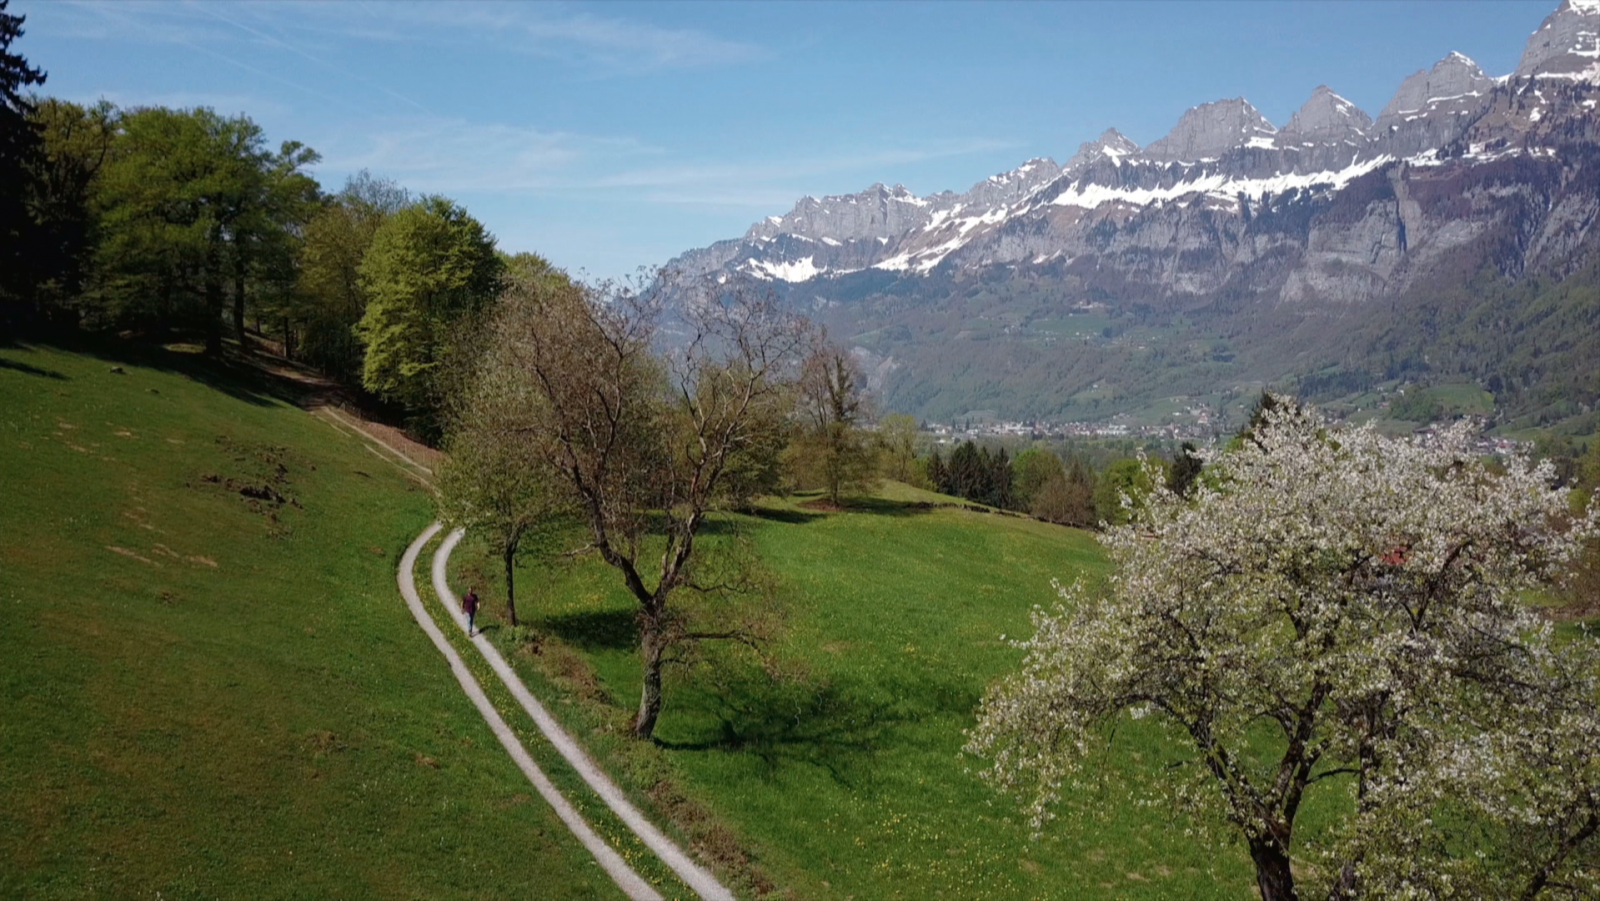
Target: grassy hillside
(210,686)
(835,771)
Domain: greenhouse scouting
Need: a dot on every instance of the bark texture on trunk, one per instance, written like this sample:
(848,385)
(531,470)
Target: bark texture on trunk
(213,314)
(238,311)
(1273,875)
(644,725)
(511,588)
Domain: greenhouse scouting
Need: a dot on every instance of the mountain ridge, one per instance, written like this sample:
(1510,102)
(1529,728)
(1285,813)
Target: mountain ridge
(1226,210)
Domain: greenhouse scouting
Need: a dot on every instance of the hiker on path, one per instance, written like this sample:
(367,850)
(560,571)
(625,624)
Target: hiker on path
(469,606)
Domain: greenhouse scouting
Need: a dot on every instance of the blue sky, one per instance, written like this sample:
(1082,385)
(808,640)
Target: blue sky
(612,135)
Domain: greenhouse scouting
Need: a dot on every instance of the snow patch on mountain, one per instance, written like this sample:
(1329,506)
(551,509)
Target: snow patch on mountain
(1217,185)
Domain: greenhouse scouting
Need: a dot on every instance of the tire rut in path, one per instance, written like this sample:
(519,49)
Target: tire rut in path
(695,876)
(632,885)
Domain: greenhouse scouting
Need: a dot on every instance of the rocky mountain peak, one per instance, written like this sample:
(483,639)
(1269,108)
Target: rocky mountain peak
(1210,129)
(1567,44)
(1327,117)
(1111,144)
(1007,187)
(879,211)
(1451,79)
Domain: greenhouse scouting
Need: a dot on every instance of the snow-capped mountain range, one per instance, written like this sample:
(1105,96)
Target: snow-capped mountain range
(1223,155)
(1230,252)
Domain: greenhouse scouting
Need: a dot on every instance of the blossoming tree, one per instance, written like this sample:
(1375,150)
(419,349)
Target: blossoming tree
(1333,611)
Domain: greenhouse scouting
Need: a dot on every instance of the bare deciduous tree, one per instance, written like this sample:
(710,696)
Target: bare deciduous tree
(643,440)
(832,405)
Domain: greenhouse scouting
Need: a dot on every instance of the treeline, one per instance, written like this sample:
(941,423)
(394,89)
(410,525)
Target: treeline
(187,224)
(1040,482)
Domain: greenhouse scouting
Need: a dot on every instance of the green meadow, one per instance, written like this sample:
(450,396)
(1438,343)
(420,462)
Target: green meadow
(210,686)
(834,768)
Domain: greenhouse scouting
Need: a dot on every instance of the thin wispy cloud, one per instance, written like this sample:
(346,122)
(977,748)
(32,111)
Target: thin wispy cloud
(594,44)
(453,156)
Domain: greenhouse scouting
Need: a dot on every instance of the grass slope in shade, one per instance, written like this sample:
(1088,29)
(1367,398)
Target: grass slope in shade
(845,779)
(208,694)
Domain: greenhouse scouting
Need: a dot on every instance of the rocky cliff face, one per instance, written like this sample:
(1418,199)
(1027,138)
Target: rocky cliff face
(1212,129)
(1567,44)
(1326,118)
(1336,210)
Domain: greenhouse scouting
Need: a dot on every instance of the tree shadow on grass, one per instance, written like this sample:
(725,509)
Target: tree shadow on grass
(837,728)
(595,630)
(783,515)
(228,374)
(878,506)
(25,369)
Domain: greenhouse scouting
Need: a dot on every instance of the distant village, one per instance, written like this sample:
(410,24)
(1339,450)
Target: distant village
(1199,429)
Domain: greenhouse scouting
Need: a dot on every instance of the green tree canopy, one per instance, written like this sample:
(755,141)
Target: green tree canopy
(428,265)
(191,202)
(1032,469)
(329,296)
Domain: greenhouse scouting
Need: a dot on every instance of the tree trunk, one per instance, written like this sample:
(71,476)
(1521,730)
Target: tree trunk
(1273,875)
(1345,886)
(213,313)
(238,307)
(650,648)
(511,590)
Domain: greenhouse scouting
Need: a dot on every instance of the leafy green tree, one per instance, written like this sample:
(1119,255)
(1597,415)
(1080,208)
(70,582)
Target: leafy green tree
(1067,496)
(19,145)
(897,435)
(187,200)
(1033,468)
(1126,481)
(428,266)
(62,186)
(265,234)
(496,484)
(329,297)
(1360,646)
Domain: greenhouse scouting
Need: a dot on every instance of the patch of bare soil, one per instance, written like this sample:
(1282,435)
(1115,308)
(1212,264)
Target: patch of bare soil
(260,479)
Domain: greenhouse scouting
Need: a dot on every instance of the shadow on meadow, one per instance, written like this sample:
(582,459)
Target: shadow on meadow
(25,369)
(231,376)
(836,726)
(595,630)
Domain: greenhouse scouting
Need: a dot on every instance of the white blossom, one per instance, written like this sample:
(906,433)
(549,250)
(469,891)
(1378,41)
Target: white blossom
(1363,600)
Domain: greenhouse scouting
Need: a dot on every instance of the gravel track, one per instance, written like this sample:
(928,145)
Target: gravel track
(626,878)
(695,876)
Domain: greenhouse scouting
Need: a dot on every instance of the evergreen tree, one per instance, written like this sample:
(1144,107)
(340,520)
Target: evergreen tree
(965,472)
(937,474)
(1185,469)
(19,146)
(1000,480)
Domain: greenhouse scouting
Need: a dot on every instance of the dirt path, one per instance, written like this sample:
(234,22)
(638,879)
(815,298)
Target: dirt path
(391,446)
(695,876)
(629,881)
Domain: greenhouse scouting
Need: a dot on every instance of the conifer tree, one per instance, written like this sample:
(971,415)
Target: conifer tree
(19,144)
